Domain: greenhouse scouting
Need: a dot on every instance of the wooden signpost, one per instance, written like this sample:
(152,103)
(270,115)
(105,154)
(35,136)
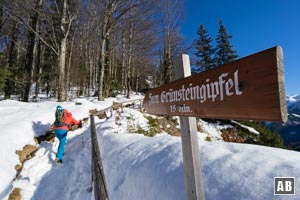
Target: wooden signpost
(251,88)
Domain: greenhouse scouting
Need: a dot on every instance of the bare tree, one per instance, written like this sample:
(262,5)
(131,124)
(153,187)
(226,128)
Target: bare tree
(65,26)
(31,49)
(12,49)
(138,41)
(59,17)
(170,13)
(113,10)
(93,45)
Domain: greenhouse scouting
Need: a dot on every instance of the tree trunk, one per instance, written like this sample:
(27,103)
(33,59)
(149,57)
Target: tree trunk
(102,67)
(137,81)
(62,61)
(103,53)
(68,66)
(91,73)
(38,70)
(167,56)
(62,95)
(123,67)
(167,68)
(107,71)
(128,78)
(31,47)
(9,84)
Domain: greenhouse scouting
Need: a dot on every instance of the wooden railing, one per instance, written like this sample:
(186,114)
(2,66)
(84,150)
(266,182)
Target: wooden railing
(98,177)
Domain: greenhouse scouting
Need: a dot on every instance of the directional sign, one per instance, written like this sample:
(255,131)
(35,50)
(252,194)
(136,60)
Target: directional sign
(251,88)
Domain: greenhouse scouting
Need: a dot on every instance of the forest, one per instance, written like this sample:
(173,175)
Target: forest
(97,47)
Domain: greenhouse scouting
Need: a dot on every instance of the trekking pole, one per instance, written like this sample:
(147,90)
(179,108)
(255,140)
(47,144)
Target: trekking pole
(82,140)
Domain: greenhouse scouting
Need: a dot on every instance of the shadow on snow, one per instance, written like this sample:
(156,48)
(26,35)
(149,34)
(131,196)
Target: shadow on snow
(71,179)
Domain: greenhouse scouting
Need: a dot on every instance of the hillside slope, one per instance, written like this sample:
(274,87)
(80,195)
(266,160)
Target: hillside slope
(139,167)
(290,131)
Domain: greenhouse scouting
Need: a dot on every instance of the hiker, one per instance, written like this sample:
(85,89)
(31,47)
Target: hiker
(63,123)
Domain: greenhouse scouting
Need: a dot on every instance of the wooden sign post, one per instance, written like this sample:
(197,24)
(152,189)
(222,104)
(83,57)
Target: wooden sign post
(190,146)
(251,88)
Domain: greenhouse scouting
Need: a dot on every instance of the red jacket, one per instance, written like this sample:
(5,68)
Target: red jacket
(68,120)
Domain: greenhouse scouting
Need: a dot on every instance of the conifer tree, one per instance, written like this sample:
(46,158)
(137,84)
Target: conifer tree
(224,50)
(204,49)
(4,74)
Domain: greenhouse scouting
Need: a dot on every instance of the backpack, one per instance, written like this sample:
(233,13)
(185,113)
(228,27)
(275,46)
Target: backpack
(59,118)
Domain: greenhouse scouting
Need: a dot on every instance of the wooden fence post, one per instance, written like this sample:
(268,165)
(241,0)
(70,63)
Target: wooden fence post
(190,146)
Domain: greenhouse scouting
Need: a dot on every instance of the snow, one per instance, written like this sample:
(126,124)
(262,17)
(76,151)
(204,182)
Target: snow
(212,130)
(293,98)
(139,167)
(252,130)
(295,115)
(293,101)
(136,167)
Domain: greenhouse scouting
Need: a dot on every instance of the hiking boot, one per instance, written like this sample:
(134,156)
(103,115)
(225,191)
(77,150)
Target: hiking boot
(58,160)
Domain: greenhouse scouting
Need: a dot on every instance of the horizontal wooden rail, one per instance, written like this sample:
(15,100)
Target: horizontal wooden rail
(128,102)
(98,178)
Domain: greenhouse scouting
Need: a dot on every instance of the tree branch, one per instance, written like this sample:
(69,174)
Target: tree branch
(20,20)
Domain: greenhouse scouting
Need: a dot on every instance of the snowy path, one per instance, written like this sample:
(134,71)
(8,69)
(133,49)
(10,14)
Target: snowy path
(42,178)
(151,168)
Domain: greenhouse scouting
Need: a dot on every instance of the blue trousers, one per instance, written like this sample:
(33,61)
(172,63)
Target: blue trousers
(62,137)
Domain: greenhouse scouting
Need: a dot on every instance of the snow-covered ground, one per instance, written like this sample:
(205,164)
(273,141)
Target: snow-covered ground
(136,167)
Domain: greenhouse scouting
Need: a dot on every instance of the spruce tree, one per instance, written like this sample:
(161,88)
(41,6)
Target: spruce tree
(224,50)
(4,75)
(205,51)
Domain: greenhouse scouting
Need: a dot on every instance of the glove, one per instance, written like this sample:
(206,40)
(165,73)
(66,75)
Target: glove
(80,124)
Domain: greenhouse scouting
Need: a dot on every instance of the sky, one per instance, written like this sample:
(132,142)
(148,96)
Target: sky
(255,25)
(135,166)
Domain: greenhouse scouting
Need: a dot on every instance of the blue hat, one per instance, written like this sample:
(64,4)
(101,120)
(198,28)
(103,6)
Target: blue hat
(59,108)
